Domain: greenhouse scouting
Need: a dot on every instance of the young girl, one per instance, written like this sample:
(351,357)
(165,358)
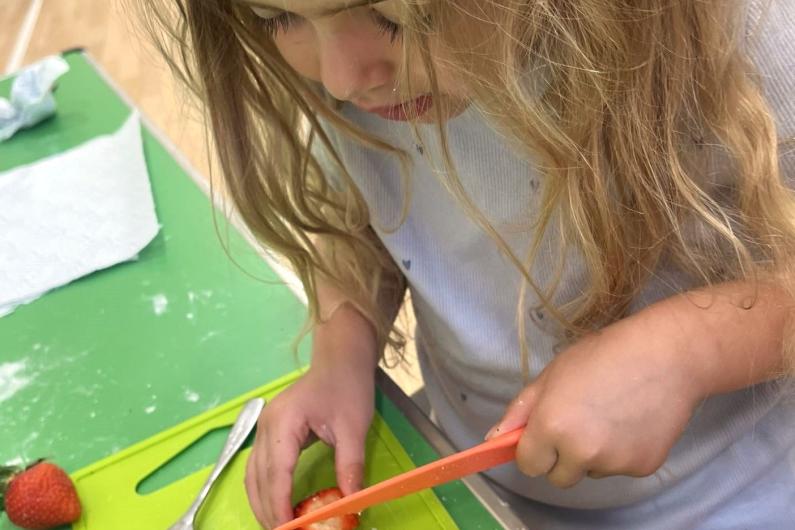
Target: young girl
(587,202)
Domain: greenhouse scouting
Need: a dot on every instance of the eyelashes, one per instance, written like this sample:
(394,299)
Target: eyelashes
(386,26)
(279,23)
(286,20)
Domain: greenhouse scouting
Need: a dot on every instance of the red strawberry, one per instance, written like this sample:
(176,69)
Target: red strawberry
(40,497)
(320,499)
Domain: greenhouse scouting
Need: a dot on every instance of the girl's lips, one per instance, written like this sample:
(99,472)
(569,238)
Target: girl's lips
(406,110)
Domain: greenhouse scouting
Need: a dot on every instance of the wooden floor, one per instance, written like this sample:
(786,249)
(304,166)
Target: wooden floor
(108,33)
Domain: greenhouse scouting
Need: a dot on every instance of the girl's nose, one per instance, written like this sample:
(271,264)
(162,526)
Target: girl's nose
(354,65)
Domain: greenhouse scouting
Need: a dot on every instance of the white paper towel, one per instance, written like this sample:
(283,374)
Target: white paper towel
(71,214)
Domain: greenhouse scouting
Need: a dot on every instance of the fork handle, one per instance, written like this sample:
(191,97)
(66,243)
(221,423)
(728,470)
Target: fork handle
(237,435)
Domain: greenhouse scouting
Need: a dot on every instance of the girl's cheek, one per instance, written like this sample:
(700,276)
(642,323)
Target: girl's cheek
(451,82)
(299,49)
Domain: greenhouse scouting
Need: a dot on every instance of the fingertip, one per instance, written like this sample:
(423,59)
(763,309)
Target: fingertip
(349,479)
(349,460)
(252,490)
(494,431)
(535,458)
(279,496)
(284,512)
(565,476)
(516,414)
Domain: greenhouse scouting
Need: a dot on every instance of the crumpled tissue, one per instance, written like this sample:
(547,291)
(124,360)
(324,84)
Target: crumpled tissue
(31,96)
(73,213)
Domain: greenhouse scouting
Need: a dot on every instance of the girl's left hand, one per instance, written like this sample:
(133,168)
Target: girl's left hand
(614,403)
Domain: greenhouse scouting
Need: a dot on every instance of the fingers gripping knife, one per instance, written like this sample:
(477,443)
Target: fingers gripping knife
(237,435)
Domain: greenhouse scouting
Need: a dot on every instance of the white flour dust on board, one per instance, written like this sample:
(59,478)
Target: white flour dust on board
(15,462)
(207,336)
(191,396)
(202,296)
(13,378)
(159,303)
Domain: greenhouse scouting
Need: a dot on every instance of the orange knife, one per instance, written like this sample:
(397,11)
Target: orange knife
(498,450)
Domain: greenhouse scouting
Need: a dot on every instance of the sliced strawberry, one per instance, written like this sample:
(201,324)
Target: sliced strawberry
(320,499)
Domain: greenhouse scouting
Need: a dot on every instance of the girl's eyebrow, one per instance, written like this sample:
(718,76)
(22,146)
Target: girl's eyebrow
(322,12)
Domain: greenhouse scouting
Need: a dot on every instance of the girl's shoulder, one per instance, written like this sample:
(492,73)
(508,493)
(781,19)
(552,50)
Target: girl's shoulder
(770,44)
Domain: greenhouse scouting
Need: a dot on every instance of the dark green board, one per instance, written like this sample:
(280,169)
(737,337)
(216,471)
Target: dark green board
(99,369)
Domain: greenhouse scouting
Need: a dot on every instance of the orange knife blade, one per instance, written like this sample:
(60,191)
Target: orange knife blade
(496,451)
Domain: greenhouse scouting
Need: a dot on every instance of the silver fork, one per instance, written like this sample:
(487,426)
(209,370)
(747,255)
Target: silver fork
(237,435)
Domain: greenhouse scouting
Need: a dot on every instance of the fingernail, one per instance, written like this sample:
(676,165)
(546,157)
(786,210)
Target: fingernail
(351,483)
(492,432)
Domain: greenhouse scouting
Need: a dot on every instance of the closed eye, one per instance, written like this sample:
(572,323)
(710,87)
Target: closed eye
(283,21)
(273,24)
(386,26)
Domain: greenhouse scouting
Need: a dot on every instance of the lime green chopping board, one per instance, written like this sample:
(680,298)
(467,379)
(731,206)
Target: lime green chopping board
(111,488)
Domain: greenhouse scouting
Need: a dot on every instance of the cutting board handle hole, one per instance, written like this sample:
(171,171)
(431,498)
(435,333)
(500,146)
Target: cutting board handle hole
(201,453)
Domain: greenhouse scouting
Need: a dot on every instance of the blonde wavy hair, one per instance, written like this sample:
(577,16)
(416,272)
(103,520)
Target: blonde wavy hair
(639,99)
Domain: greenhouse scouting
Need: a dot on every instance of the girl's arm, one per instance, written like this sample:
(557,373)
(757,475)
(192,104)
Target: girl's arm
(343,334)
(615,402)
(333,402)
(728,336)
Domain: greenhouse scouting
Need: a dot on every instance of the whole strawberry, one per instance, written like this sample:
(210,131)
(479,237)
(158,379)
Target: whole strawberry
(39,497)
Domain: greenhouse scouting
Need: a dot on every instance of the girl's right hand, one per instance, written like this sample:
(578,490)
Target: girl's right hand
(333,404)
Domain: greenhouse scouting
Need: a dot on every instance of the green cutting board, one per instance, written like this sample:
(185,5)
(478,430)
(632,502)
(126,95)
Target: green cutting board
(111,489)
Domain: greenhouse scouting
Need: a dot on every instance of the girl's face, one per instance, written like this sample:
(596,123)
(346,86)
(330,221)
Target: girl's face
(353,48)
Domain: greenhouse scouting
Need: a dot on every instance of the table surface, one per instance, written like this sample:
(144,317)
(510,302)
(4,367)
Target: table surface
(124,353)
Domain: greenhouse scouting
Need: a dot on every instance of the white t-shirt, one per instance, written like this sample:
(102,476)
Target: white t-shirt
(734,467)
